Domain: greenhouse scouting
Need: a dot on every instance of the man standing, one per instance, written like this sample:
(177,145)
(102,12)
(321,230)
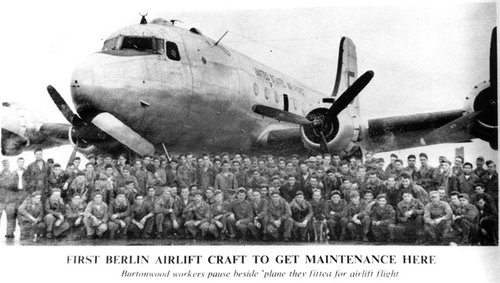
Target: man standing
(479,171)
(466,181)
(423,175)
(490,181)
(206,173)
(290,188)
(7,199)
(186,173)
(59,179)
(37,174)
(225,180)
(411,168)
(457,168)
(374,184)
(140,175)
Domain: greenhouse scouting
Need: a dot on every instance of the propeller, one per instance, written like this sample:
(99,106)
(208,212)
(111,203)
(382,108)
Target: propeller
(485,105)
(280,115)
(102,126)
(349,94)
(319,121)
(62,105)
(442,133)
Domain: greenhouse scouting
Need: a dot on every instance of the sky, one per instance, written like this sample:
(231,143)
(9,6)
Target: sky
(426,56)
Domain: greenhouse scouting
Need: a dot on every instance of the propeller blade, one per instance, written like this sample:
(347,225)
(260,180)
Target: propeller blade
(324,142)
(442,133)
(493,60)
(343,101)
(61,104)
(280,115)
(122,133)
(73,153)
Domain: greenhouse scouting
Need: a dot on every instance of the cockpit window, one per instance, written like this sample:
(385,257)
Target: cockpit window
(110,44)
(173,51)
(143,44)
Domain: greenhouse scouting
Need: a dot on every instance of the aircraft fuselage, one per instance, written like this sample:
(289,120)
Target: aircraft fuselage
(200,99)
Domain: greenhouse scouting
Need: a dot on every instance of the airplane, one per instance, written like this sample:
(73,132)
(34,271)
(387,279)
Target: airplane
(157,86)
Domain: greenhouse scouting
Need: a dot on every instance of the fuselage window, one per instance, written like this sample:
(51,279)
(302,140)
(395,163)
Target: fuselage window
(142,44)
(276,97)
(173,51)
(266,92)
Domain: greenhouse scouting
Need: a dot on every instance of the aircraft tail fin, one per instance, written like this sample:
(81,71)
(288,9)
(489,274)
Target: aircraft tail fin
(347,67)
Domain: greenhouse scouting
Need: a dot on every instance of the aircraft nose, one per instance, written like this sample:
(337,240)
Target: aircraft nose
(83,84)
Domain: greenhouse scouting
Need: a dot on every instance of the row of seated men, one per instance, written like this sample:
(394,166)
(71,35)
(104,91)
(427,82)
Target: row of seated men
(257,215)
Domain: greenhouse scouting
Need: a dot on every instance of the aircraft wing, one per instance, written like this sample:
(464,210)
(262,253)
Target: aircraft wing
(401,132)
(282,138)
(22,131)
(42,136)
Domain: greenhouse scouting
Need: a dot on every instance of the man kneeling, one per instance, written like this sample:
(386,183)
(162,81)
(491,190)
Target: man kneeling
(96,217)
(119,216)
(383,217)
(141,215)
(200,216)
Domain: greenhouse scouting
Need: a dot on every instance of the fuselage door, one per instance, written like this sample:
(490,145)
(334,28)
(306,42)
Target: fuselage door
(285,102)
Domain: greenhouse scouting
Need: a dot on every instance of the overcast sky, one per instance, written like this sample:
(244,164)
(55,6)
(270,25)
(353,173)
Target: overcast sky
(426,57)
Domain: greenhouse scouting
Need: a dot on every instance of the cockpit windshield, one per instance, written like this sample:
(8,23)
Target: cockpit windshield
(147,44)
(135,44)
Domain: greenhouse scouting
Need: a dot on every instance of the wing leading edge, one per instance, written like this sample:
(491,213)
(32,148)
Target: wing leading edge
(401,132)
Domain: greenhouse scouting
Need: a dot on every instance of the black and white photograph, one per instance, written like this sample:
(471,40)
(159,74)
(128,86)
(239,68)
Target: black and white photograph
(274,141)
(367,125)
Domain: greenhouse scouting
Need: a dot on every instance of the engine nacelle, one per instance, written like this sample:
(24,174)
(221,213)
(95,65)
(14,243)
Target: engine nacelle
(342,133)
(484,98)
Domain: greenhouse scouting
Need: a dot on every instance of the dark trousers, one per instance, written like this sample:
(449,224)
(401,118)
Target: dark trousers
(337,227)
(241,229)
(437,232)
(136,232)
(410,230)
(359,230)
(283,231)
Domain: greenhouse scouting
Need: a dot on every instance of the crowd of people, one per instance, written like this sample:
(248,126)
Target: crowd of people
(238,198)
